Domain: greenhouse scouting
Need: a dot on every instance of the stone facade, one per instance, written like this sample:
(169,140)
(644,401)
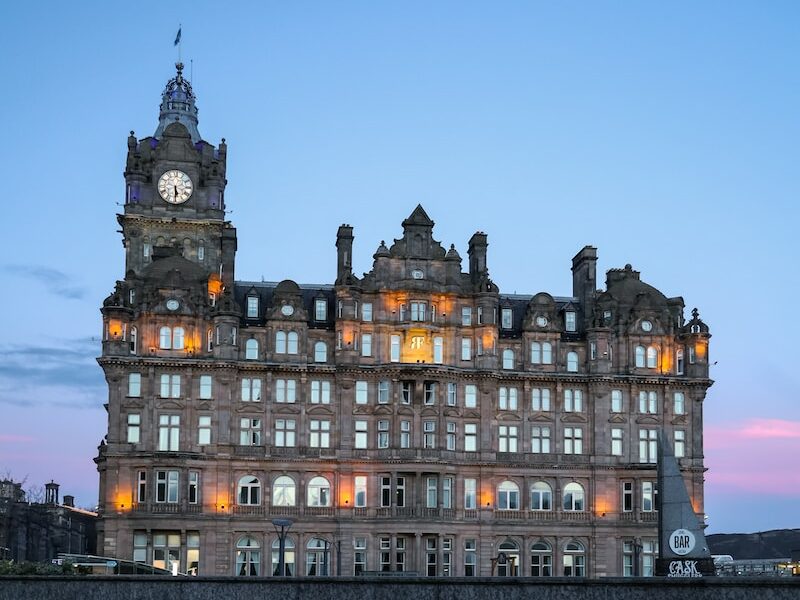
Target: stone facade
(415,418)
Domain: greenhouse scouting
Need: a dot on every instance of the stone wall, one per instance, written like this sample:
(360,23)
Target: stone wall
(384,588)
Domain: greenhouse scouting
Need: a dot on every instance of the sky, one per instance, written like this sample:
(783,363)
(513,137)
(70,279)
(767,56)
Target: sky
(664,134)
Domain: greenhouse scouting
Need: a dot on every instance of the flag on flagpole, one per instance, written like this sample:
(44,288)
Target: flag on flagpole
(178,37)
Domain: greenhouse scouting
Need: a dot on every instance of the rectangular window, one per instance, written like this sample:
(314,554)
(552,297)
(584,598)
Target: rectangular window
(573,401)
(616,442)
(284,433)
(470,396)
(507,438)
(252,307)
(649,494)
(320,392)
(361,392)
(193,489)
(360,490)
(470,557)
(134,385)
(430,393)
(569,321)
(383,433)
(383,392)
(616,401)
(386,491)
(452,391)
(480,315)
(400,555)
(627,559)
(167,487)
(361,432)
(507,398)
(251,390)
(366,344)
(470,494)
(506,318)
(141,487)
(170,386)
(540,440)
(451,435)
(418,311)
(648,442)
(320,309)
(366,312)
(430,557)
(250,432)
(206,387)
(447,492)
(627,496)
(592,350)
(169,428)
(438,350)
(432,487)
(466,349)
(679,403)
(680,443)
(319,433)
(285,390)
(429,438)
(204,430)
(466,316)
(470,437)
(359,555)
(134,423)
(400,493)
(407,394)
(394,348)
(405,434)
(648,403)
(540,399)
(386,553)
(573,440)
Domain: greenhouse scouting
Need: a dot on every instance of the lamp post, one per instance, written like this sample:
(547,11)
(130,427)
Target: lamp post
(282,528)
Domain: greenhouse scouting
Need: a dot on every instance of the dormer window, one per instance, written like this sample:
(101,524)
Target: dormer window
(252,307)
(320,309)
(570,321)
(506,318)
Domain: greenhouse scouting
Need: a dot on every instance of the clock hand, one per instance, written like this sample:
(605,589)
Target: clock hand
(175,197)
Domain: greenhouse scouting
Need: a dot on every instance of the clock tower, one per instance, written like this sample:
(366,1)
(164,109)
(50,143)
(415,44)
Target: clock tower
(175,191)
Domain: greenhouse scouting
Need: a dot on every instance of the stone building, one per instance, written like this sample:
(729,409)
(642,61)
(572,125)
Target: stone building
(413,419)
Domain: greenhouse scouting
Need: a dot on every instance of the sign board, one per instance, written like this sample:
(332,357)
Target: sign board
(681,541)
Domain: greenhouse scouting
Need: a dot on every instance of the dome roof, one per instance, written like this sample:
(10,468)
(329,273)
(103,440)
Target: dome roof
(178,104)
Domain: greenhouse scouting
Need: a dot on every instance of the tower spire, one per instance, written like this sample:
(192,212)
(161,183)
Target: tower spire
(178,104)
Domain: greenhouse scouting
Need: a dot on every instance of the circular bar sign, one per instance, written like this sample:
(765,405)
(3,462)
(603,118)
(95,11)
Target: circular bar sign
(681,541)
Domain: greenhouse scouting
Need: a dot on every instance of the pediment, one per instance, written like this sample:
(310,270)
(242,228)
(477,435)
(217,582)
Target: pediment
(679,420)
(617,418)
(205,406)
(646,420)
(405,410)
(429,412)
(472,414)
(508,416)
(286,410)
(451,412)
(382,409)
(319,409)
(250,408)
(170,405)
(133,403)
(541,417)
(574,418)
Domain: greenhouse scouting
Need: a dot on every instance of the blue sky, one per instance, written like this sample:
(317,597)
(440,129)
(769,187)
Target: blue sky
(665,134)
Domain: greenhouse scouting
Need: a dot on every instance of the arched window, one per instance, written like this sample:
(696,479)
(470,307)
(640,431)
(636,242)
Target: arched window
(321,352)
(134,341)
(251,349)
(248,557)
(547,353)
(283,491)
(639,356)
(573,497)
(680,364)
(574,560)
(249,493)
(177,338)
(291,342)
(508,358)
(572,362)
(280,342)
(319,492)
(541,560)
(318,558)
(536,353)
(288,557)
(209,340)
(541,496)
(652,357)
(165,338)
(508,559)
(508,496)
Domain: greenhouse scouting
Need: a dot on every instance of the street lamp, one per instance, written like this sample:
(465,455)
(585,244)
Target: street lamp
(281,528)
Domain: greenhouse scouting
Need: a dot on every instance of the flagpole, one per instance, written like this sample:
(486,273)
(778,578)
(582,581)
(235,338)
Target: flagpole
(180,41)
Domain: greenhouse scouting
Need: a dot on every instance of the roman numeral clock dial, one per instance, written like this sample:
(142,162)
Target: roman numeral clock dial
(175,186)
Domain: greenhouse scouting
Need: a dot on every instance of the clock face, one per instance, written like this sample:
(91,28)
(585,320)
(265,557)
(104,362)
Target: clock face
(417,274)
(173,304)
(287,310)
(541,321)
(647,326)
(175,186)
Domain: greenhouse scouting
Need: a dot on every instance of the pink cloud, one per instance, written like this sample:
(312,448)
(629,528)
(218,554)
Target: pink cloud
(15,438)
(754,456)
